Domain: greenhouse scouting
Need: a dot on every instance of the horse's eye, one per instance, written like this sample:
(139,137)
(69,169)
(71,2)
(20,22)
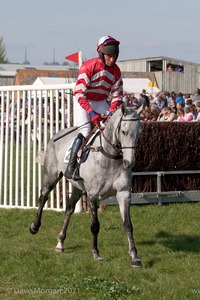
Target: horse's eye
(123,132)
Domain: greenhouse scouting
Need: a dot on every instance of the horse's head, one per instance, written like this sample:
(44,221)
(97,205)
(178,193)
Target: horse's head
(196,95)
(128,131)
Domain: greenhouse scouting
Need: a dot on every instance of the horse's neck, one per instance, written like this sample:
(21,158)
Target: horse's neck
(108,138)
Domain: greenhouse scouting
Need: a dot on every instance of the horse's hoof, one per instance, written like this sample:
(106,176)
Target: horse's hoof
(136,263)
(97,257)
(59,250)
(33,229)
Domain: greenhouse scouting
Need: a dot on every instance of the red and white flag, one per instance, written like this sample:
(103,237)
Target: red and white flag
(75,57)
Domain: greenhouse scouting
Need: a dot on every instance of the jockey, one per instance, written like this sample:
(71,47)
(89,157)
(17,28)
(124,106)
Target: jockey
(98,79)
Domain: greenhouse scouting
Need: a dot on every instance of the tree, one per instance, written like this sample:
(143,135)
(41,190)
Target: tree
(3,58)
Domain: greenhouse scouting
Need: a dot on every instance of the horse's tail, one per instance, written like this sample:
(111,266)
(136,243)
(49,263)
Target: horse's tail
(40,158)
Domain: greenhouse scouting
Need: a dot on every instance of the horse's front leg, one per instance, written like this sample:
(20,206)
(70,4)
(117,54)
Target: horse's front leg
(95,227)
(76,194)
(123,199)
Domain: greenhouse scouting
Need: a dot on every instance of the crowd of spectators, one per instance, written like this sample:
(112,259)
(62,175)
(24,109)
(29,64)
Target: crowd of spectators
(165,106)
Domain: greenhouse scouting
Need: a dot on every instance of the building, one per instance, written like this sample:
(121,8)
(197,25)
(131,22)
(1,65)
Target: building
(21,74)
(170,74)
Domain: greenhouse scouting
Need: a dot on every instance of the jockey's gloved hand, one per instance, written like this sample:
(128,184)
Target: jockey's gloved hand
(94,117)
(107,116)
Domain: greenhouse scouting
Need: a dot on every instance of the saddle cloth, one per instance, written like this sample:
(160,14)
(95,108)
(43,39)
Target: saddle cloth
(83,152)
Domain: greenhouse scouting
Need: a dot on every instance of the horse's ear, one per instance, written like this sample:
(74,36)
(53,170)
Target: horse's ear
(140,109)
(123,108)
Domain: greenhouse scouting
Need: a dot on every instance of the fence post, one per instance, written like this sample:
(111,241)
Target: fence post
(159,174)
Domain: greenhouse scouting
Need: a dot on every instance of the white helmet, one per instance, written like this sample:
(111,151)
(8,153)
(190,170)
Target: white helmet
(108,45)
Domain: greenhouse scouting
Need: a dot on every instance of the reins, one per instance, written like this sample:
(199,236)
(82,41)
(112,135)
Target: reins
(118,127)
(116,147)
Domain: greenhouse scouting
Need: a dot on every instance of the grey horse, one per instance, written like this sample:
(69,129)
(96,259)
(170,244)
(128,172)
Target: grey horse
(106,172)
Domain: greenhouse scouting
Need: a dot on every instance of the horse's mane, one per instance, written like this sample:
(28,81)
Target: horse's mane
(127,110)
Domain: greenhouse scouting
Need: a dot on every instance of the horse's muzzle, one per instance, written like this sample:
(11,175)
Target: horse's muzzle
(127,164)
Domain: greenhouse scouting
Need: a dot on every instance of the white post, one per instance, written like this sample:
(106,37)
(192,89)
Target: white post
(79,207)
(80,59)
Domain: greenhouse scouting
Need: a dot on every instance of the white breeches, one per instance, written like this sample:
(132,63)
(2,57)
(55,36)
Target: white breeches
(100,107)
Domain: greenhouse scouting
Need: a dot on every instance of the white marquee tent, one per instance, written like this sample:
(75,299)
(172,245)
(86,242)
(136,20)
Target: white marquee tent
(131,85)
(136,85)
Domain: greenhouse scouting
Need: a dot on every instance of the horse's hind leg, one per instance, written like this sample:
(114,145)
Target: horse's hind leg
(48,186)
(75,196)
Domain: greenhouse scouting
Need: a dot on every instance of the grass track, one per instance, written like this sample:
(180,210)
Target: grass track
(167,239)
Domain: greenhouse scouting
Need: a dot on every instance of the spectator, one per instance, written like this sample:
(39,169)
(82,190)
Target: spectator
(57,102)
(170,68)
(133,101)
(166,115)
(197,105)
(179,105)
(173,95)
(154,106)
(193,110)
(126,98)
(173,106)
(146,115)
(180,115)
(149,115)
(167,98)
(187,97)
(154,114)
(180,99)
(188,115)
(160,102)
(188,102)
(151,100)
(142,99)
(146,97)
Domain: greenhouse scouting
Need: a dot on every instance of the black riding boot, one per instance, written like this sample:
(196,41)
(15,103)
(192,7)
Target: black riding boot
(72,172)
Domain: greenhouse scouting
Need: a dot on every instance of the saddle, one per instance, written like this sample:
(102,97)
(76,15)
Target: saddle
(85,148)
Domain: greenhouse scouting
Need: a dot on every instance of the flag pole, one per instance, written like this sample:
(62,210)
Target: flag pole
(73,57)
(79,205)
(80,59)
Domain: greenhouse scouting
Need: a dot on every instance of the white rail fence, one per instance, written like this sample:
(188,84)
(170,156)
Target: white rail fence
(30,116)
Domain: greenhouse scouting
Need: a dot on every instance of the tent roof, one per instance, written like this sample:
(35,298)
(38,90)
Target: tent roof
(52,80)
(131,85)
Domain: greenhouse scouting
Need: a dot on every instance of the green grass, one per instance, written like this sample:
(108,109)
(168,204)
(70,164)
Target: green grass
(167,239)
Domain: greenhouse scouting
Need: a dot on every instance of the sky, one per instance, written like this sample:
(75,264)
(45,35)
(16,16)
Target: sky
(48,30)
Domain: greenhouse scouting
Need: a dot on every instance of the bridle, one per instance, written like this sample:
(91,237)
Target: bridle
(117,147)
